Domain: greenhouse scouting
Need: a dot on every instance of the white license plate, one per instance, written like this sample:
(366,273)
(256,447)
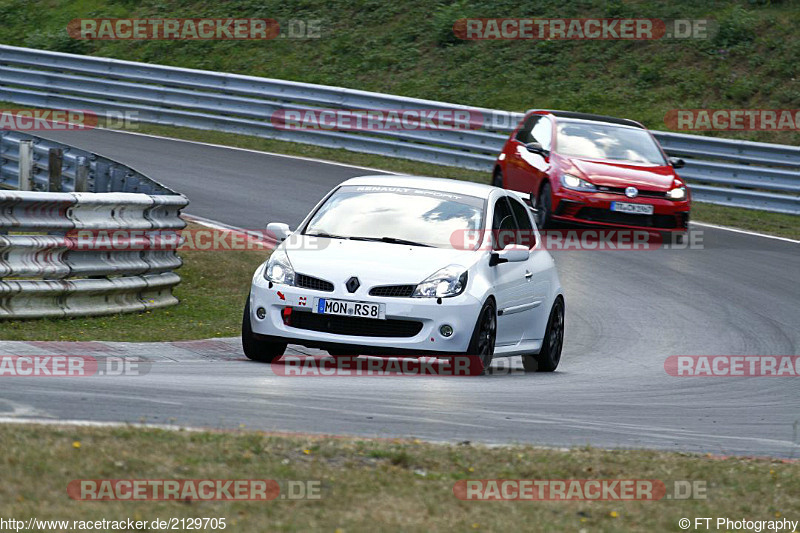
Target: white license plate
(326,306)
(637,209)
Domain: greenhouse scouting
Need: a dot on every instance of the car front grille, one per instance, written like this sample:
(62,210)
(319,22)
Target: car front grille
(350,325)
(309,282)
(595,214)
(393,291)
(643,193)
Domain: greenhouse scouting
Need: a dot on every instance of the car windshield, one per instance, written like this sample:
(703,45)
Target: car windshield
(607,141)
(401,215)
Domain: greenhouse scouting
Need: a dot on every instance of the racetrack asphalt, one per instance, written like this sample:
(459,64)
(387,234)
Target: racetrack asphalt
(626,313)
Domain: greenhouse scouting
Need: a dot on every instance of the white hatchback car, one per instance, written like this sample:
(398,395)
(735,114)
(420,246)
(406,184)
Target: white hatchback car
(404,265)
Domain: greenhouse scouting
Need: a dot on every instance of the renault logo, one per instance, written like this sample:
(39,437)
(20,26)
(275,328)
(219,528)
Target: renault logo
(352,284)
(631,192)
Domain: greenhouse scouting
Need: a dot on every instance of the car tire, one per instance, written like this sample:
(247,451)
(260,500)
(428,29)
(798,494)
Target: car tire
(484,335)
(497,178)
(257,349)
(550,354)
(544,208)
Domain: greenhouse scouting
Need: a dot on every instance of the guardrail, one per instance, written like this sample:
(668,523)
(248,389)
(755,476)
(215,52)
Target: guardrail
(99,174)
(94,253)
(728,172)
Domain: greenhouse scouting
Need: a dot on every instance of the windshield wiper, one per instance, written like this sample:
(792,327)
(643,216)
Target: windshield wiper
(393,240)
(326,235)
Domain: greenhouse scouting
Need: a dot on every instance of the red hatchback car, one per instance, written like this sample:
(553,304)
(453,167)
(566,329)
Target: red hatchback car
(591,169)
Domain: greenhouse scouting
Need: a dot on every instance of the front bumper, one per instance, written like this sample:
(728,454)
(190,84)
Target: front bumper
(595,209)
(460,312)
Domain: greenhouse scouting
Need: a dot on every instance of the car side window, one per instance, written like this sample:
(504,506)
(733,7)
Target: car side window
(542,133)
(524,134)
(537,128)
(504,227)
(525,236)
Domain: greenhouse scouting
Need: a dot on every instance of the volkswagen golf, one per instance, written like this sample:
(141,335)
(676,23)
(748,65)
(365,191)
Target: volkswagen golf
(594,170)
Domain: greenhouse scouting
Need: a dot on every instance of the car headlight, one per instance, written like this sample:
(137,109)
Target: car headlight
(678,193)
(449,281)
(279,269)
(574,182)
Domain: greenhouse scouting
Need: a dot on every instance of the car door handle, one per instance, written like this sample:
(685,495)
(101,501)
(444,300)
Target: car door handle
(528,275)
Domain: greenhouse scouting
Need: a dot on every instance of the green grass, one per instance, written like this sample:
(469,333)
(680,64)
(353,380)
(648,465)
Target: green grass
(372,485)
(779,224)
(212,292)
(408,48)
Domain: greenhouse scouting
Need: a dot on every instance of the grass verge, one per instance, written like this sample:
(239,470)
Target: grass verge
(212,293)
(779,224)
(747,59)
(372,485)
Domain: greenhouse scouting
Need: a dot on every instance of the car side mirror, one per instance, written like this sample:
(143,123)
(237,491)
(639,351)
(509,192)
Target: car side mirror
(536,148)
(677,162)
(279,230)
(512,253)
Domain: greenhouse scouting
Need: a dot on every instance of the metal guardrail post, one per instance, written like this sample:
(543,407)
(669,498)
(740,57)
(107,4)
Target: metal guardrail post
(116,179)
(25,166)
(56,159)
(81,174)
(101,177)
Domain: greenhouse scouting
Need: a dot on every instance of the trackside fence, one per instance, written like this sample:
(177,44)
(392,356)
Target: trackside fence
(721,171)
(51,262)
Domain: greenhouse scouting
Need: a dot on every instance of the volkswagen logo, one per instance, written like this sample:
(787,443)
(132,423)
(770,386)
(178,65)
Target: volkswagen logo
(631,192)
